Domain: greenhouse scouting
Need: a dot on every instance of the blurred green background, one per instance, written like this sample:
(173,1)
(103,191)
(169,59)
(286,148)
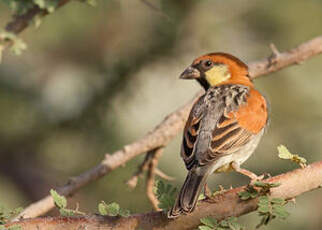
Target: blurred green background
(96,78)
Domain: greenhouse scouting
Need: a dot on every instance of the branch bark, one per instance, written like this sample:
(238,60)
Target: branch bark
(293,184)
(168,128)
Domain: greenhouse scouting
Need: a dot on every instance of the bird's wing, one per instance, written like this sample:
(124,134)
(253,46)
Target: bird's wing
(221,128)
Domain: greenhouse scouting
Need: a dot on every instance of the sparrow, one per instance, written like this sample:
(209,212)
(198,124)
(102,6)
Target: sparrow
(224,127)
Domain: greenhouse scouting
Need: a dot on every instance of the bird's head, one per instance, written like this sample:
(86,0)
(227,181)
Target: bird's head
(217,68)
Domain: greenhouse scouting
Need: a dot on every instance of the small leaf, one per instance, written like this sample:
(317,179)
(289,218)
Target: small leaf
(102,208)
(263,209)
(60,201)
(280,211)
(113,209)
(259,184)
(249,192)
(124,212)
(165,194)
(205,228)
(209,221)
(67,212)
(14,227)
(244,195)
(273,185)
(224,224)
(284,153)
(278,200)
(263,200)
(201,196)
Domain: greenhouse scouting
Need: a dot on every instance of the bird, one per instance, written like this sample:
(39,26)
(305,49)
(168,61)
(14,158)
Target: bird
(224,126)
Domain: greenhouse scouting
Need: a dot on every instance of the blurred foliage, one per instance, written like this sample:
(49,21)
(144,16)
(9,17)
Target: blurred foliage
(96,78)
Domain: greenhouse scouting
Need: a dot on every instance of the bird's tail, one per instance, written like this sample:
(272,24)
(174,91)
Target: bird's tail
(188,196)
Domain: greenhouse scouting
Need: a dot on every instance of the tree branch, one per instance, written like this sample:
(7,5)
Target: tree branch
(228,204)
(168,129)
(150,178)
(21,22)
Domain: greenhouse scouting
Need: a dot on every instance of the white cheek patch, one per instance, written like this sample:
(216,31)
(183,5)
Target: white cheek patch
(217,74)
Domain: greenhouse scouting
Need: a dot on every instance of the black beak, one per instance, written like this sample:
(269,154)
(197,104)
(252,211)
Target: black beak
(190,73)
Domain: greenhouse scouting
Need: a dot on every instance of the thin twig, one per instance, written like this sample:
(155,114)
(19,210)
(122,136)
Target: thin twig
(150,177)
(167,129)
(144,166)
(164,176)
(132,182)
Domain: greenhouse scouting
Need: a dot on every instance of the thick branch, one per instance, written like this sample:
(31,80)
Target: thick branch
(168,128)
(293,184)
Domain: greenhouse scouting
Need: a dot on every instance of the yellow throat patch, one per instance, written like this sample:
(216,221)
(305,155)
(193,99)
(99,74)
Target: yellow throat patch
(217,74)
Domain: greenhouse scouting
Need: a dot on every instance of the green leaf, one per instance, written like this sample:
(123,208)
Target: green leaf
(244,195)
(262,184)
(201,196)
(278,201)
(249,192)
(263,200)
(69,212)
(60,201)
(280,211)
(102,208)
(259,184)
(166,194)
(264,209)
(209,221)
(205,228)
(224,224)
(14,227)
(284,153)
(124,212)
(113,209)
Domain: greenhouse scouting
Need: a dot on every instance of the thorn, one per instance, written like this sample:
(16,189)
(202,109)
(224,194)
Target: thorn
(273,59)
(132,182)
(274,49)
(221,188)
(293,200)
(268,175)
(163,175)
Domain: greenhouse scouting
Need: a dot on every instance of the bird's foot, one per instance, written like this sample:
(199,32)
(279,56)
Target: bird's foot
(253,177)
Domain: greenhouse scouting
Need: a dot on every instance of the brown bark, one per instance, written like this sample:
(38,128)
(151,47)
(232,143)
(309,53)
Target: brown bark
(293,184)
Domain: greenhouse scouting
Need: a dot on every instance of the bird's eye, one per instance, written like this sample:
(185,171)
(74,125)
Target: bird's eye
(207,63)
